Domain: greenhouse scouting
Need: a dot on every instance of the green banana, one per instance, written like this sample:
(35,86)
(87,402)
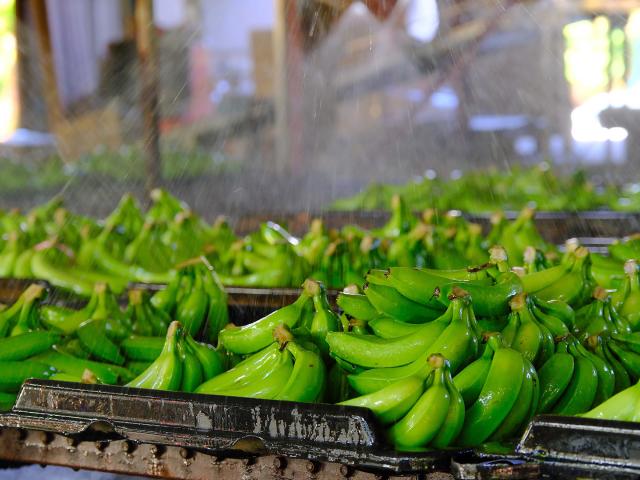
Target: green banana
(105,373)
(574,285)
(536,281)
(14,373)
(7,400)
(26,345)
(426,417)
(555,376)
(622,406)
(557,309)
(373,352)
(419,284)
(622,379)
(471,379)
(28,319)
(191,312)
(255,365)
(487,301)
(458,343)
(257,335)
(630,308)
(209,358)
(137,367)
(454,421)
(307,380)
(499,393)
(192,372)
(356,305)
(267,385)
(92,336)
(581,391)
(165,373)
(525,333)
(139,348)
(629,359)
(392,402)
(524,407)
(606,375)
(388,301)
(385,327)
(324,320)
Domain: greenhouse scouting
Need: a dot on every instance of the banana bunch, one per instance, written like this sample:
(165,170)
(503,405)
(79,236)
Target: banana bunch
(519,235)
(183,364)
(501,392)
(599,316)
(195,297)
(143,316)
(627,298)
(22,316)
(259,334)
(282,370)
(574,379)
(571,281)
(436,417)
(533,324)
(267,257)
(455,335)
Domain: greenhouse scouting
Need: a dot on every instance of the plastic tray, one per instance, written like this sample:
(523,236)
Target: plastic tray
(212,423)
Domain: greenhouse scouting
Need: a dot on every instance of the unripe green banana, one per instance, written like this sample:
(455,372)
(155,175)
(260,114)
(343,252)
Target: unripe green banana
(93,337)
(524,407)
(470,380)
(28,319)
(499,394)
(557,309)
(536,281)
(579,394)
(307,380)
(192,375)
(266,386)
(622,406)
(165,373)
(209,358)
(388,301)
(385,327)
(454,421)
(7,400)
(606,375)
(257,335)
(392,402)
(425,419)
(631,306)
(27,345)
(356,305)
(192,310)
(555,376)
(525,334)
(373,352)
(144,349)
(629,359)
(14,373)
(570,288)
(255,365)
(419,284)
(488,301)
(622,379)
(324,320)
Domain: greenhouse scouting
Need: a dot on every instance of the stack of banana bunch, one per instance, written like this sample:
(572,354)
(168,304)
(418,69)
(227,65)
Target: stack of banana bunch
(102,342)
(75,252)
(518,341)
(265,258)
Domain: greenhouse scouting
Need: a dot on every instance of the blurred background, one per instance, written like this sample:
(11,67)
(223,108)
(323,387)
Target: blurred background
(242,106)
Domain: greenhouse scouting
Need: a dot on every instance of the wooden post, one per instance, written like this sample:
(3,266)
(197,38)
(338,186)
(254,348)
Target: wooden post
(145,41)
(50,84)
(288,94)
